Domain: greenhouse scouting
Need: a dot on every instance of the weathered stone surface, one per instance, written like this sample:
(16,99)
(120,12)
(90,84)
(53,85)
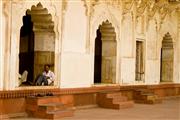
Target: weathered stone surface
(74,26)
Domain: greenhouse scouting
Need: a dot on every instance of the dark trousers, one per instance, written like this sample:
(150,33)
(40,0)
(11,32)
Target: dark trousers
(41,79)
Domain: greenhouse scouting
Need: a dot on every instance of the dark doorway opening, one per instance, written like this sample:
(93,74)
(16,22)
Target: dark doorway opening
(98,57)
(139,61)
(26,51)
(105,54)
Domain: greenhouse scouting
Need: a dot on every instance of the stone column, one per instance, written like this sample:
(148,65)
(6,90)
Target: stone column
(6,44)
(178,43)
(1,48)
(43,51)
(109,45)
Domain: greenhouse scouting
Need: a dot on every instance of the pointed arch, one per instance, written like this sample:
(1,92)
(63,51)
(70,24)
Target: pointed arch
(37,42)
(167,59)
(105,54)
(100,16)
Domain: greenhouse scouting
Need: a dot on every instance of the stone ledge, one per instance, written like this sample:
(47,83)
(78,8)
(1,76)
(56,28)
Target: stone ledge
(21,93)
(13,115)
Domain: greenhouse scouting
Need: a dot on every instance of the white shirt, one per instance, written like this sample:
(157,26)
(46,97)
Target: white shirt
(50,76)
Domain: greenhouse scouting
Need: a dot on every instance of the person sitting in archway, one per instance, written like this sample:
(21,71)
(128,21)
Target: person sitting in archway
(47,77)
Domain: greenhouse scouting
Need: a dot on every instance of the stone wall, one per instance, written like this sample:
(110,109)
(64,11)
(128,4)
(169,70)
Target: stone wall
(75,25)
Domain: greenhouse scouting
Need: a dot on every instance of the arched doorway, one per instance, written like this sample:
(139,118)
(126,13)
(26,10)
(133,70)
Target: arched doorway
(37,42)
(167,59)
(105,54)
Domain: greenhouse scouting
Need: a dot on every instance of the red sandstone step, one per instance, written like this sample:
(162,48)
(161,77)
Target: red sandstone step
(61,114)
(47,107)
(127,104)
(42,100)
(113,100)
(53,114)
(143,91)
(158,101)
(29,113)
(112,95)
(146,97)
(52,107)
(120,99)
(31,100)
(31,107)
(155,101)
(144,102)
(148,94)
(45,100)
(141,97)
(119,105)
(115,104)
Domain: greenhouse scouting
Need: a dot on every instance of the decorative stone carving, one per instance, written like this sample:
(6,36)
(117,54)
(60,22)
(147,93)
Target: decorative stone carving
(38,13)
(140,23)
(90,4)
(64,5)
(127,5)
(167,41)
(141,6)
(97,19)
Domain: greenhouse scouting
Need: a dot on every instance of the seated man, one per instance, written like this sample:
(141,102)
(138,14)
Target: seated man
(47,77)
(23,77)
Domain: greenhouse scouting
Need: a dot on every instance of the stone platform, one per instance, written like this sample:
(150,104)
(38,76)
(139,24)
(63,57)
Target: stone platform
(168,110)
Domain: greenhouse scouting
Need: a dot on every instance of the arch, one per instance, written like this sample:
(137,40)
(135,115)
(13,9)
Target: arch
(167,59)
(37,42)
(100,16)
(166,26)
(105,16)
(19,9)
(105,54)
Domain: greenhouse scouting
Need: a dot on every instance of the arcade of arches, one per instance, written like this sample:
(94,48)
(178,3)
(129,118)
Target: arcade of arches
(91,46)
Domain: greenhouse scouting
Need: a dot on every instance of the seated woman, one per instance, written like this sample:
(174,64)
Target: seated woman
(47,77)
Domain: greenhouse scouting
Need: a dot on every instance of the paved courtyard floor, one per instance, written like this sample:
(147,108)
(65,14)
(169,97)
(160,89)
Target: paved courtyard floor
(168,110)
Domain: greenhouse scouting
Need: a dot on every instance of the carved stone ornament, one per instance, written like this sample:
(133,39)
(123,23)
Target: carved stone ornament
(90,4)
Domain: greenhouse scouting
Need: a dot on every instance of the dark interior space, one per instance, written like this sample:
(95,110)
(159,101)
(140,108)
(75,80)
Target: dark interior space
(26,52)
(161,66)
(98,57)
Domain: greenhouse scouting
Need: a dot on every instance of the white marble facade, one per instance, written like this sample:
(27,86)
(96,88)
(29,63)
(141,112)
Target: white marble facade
(75,25)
